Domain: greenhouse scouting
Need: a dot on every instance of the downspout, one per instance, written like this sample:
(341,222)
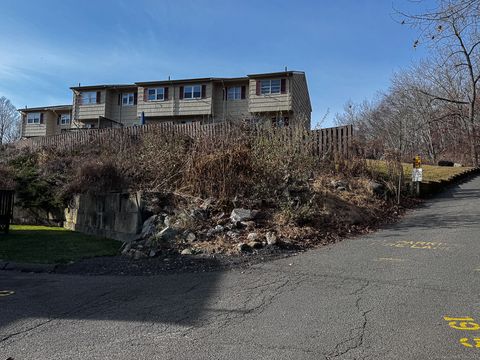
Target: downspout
(224,100)
(121,106)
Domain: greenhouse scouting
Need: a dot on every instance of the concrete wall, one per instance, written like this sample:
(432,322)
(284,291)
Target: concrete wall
(115,215)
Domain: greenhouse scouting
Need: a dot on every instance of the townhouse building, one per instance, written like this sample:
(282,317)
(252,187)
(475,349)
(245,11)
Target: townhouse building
(279,98)
(45,121)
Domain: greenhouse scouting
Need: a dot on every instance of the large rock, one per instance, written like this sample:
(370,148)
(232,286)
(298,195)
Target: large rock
(167,234)
(242,215)
(191,237)
(148,227)
(271,238)
(252,236)
(377,188)
(126,248)
(187,252)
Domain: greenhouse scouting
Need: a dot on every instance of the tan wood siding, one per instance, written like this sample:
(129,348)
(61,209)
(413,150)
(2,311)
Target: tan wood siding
(126,115)
(50,119)
(156,108)
(57,128)
(230,109)
(269,103)
(301,106)
(33,130)
(86,112)
(91,111)
(175,106)
(49,127)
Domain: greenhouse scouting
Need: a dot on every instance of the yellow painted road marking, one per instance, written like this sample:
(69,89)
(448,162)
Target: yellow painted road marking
(424,245)
(465,342)
(389,259)
(6,293)
(465,323)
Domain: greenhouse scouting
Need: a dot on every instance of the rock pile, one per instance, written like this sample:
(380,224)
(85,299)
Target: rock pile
(180,232)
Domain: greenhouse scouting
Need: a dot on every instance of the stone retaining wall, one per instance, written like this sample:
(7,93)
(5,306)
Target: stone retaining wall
(115,215)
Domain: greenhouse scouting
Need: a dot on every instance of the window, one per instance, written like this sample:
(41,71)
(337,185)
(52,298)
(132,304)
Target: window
(64,119)
(89,97)
(128,99)
(156,94)
(33,118)
(192,92)
(234,93)
(270,87)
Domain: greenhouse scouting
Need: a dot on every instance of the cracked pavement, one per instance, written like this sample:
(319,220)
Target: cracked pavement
(381,296)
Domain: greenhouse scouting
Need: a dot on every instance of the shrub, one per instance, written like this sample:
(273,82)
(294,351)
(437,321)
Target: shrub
(34,189)
(96,177)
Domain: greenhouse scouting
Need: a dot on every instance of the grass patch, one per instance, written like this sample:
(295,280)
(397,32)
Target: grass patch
(430,172)
(52,245)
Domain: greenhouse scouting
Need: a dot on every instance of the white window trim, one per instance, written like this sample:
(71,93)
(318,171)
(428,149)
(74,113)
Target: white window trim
(65,119)
(156,94)
(128,96)
(270,87)
(192,87)
(34,120)
(92,97)
(237,93)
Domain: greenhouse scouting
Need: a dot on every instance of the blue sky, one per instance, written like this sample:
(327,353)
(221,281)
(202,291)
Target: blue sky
(349,49)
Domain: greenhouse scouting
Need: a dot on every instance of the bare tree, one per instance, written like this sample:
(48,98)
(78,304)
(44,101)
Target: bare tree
(9,121)
(452,30)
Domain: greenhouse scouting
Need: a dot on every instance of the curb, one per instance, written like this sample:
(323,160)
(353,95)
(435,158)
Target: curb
(430,188)
(25,267)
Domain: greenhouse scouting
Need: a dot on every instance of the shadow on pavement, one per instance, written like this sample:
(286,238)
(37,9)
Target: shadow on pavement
(175,299)
(445,211)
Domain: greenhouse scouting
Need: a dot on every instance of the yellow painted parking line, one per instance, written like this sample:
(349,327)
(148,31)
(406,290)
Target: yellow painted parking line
(6,293)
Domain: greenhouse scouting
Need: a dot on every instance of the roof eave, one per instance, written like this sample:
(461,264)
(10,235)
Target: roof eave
(275,74)
(47,108)
(98,87)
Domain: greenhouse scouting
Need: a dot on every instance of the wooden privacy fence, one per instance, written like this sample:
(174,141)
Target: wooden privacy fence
(6,209)
(334,141)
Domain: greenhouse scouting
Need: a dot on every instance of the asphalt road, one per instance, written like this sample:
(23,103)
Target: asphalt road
(383,296)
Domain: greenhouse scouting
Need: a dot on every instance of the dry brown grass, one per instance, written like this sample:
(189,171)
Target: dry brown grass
(264,169)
